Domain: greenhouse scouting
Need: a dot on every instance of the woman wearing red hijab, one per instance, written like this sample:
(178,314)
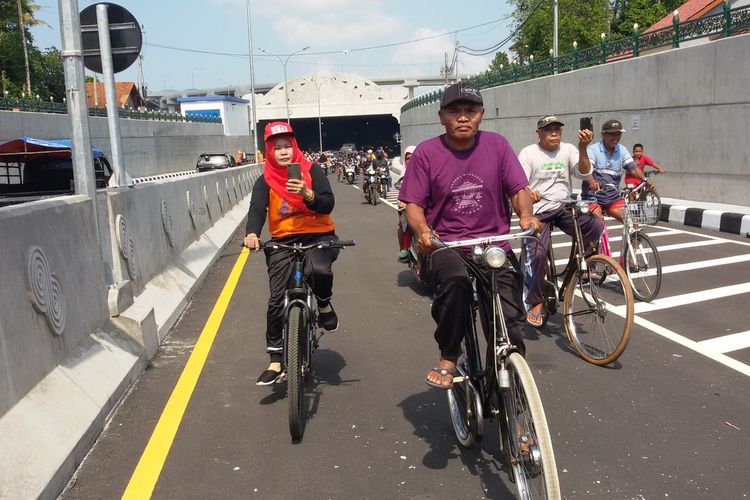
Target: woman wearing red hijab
(299,211)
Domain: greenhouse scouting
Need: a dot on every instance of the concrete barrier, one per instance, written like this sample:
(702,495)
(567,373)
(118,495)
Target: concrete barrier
(689,107)
(149,147)
(82,311)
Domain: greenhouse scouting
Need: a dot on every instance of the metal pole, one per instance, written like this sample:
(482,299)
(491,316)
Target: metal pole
(113,119)
(75,90)
(284,63)
(252,81)
(320,124)
(554,35)
(286,90)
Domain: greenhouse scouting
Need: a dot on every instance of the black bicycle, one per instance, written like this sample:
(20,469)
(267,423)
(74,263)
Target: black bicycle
(299,329)
(503,388)
(598,304)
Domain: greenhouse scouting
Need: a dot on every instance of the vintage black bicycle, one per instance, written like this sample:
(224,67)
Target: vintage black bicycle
(503,388)
(300,322)
(597,298)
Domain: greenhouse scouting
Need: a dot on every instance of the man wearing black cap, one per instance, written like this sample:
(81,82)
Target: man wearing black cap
(457,186)
(549,165)
(608,159)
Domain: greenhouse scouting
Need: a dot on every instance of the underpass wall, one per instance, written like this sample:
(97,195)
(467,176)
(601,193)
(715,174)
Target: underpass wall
(690,107)
(82,311)
(149,147)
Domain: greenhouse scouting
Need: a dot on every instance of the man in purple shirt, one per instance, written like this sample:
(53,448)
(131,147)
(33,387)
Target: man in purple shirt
(457,186)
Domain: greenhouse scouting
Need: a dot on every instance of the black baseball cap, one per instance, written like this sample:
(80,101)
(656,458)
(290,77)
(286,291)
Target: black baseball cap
(461,91)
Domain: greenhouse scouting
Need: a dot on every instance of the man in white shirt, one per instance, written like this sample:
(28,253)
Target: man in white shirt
(549,165)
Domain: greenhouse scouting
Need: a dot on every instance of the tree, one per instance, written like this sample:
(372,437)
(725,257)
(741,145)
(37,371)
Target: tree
(500,59)
(579,21)
(15,41)
(644,12)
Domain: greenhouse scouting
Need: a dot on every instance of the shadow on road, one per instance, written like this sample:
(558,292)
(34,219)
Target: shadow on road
(407,278)
(428,412)
(554,329)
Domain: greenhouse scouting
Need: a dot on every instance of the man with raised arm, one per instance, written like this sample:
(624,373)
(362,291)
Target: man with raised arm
(549,165)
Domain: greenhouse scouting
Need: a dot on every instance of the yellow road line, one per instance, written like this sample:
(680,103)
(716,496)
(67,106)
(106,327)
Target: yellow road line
(147,472)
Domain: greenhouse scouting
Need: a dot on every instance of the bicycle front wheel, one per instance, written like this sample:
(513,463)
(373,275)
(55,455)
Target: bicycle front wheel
(295,370)
(598,312)
(532,459)
(643,267)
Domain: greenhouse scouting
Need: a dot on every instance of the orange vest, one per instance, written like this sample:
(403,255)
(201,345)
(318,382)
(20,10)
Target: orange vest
(285,219)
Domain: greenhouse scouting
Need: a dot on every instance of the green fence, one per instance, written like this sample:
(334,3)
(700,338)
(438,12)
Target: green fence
(728,22)
(40,106)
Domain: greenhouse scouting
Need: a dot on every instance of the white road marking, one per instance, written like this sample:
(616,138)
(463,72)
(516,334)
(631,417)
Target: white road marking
(692,298)
(727,343)
(713,348)
(695,346)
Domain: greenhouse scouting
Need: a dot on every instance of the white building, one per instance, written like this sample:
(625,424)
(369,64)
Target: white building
(234,112)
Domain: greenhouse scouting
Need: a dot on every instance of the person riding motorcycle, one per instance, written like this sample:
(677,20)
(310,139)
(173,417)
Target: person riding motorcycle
(381,163)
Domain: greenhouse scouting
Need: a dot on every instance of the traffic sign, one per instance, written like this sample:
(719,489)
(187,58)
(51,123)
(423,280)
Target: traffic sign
(124,33)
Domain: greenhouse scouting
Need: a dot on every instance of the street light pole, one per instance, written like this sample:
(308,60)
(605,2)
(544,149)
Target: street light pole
(252,82)
(284,63)
(320,123)
(554,34)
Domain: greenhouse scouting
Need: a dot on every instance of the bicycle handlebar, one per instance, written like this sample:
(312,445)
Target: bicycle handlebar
(529,233)
(297,246)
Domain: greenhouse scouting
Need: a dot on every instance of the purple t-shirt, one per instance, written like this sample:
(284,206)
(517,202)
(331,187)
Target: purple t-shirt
(464,193)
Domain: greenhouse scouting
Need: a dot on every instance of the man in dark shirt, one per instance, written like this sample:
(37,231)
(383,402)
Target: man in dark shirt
(457,186)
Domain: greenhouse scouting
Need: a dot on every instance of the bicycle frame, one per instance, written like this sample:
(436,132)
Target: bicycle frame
(299,292)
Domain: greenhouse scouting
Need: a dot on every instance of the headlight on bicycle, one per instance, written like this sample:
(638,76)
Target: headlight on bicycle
(494,257)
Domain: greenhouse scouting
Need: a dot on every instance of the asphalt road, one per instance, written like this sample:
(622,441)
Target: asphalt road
(669,419)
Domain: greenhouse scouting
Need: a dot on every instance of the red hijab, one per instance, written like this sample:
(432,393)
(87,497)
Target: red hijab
(276,174)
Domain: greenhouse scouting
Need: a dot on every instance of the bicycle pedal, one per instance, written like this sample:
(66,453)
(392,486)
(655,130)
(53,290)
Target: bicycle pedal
(281,378)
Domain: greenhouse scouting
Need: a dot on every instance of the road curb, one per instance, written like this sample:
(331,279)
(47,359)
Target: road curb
(717,220)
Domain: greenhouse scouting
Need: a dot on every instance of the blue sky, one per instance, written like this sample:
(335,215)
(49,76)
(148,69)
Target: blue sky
(283,26)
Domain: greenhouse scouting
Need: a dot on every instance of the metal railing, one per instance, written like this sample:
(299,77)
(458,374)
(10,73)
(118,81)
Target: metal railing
(40,106)
(728,22)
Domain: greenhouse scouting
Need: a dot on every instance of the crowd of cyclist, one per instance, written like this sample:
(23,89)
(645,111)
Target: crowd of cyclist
(455,186)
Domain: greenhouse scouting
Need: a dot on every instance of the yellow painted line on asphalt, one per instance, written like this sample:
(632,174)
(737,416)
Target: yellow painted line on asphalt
(147,472)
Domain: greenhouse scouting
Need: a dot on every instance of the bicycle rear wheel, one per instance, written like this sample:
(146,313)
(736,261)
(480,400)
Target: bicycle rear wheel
(598,312)
(532,459)
(643,267)
(295,374)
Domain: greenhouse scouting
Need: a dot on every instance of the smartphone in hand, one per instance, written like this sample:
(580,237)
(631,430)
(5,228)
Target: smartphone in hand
(293,171)
(586,124)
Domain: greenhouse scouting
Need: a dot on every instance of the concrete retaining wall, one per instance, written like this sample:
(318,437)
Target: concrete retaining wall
(82,311)
(149,147)
(690,108)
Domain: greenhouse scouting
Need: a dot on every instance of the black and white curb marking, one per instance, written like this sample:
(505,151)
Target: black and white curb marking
(727,222)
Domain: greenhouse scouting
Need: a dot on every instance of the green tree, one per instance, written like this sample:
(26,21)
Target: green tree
(579,21)
(16,16)
(48,74)
(644,12)
(500,59)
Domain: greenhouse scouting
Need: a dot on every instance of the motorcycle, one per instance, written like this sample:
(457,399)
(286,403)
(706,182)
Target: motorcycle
(383,182)
(370,186)
(349,173)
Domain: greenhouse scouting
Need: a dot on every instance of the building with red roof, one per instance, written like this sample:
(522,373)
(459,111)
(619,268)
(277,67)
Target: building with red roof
(126,94)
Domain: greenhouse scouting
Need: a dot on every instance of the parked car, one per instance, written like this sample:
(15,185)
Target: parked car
(36,168)
(213,161)
(348,147)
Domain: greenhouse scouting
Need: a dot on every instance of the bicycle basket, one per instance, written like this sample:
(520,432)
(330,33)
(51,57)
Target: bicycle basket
(641,212)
